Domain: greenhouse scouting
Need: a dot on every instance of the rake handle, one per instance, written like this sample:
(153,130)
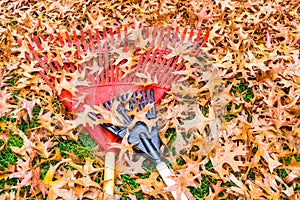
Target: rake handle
(166,173)
(109,173)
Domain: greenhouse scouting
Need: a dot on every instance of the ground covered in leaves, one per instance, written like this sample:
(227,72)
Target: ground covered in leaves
(255,46)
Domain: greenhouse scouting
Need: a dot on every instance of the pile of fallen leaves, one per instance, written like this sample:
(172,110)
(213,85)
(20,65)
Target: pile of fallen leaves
(255,47)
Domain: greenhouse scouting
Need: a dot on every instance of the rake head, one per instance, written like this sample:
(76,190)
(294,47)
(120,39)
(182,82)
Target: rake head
(102,65)
(144,138)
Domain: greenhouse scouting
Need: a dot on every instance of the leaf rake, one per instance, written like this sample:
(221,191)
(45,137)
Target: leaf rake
(105,64)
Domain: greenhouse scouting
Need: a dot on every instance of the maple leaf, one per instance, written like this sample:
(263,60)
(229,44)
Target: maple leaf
(97,21)
(127,162)
(263,151)
(151,186)
(225,4)
(45,121)
(294,173)
(55,192)
(109,116)
(141,116)
(64,83)
(136,37)
(50,173)
(23,169)
(65,127)
(87,169)
(268,42)
(227,155)
(29,69)
(202,15)
(86,182)
(149,80)
(4,106)
(123,55)
(28,105)
(240,187)
(124,147)
(280,116)
(38,183)
(217,190)
(267,57)
(43,147)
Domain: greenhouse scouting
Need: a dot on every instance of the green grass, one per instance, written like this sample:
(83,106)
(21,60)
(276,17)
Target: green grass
(281,173)
(86,141)
(15,95)
(240,89)
(15,141)
(171,133)
(8,182)
(131,182)
(208,165)
(297,157)
(23,126)
(204,189)
(7,157)
(204,110)
(44,167)
(13,79)
(32,122)
(76,147)
(251,174)
(180,161)
(148,166)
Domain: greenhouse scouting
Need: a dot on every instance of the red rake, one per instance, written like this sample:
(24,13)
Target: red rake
(156,58)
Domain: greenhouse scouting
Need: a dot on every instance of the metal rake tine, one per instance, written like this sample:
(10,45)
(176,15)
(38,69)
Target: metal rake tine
(92,116)
(120,99)
(124,97)
(127,119)
(108,104)
(131,103)
(133,100)
(147,98)
(152,111)
(142,102)
(99,116)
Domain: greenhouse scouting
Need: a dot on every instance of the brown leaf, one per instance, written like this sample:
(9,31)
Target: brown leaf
(226,155)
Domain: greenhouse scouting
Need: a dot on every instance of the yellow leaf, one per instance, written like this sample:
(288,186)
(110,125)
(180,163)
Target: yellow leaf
(50,173)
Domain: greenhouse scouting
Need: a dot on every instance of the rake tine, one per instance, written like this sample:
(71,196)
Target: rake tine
(99,116)
(142,103)
(127,119)
(152,112)
(119,99)
(124,97)
(107,105)
(148,100)
(135,99)
(147,95)
(92,116)
(131,104)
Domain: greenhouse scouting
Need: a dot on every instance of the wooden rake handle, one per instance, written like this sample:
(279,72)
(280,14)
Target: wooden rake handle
(166,173)
(109,173)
